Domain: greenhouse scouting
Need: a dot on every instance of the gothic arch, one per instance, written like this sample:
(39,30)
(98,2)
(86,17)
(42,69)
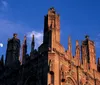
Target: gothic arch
(31,80)
(70,81)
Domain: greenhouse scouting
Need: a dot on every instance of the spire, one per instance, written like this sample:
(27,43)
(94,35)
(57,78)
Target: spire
(25,40)
(25,44)
(69,44)
(77,43)
(32,44)
(24,48)
(77,52)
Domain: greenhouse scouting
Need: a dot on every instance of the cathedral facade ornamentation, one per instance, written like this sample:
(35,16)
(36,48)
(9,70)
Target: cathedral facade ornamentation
(51,64)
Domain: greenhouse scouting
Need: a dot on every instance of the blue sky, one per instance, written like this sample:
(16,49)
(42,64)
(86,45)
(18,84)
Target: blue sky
(25,17)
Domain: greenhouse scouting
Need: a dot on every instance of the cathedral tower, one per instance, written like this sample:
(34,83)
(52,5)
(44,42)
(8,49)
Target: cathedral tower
(51,38)
(51,47)
(52,23)
(88,54)
(13,50)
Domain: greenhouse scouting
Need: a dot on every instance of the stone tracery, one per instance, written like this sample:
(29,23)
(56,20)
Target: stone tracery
(69,81)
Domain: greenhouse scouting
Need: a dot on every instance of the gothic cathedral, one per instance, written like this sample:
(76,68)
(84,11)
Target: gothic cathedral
(51,64)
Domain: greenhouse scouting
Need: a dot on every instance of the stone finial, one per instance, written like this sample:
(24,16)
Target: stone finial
(15,35)
(87,36)
(52,8)
(77,43)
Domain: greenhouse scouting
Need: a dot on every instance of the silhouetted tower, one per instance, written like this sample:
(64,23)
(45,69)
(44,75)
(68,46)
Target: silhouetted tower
(24,49)
(13,50)
(33,52)
(32,44)
(88,54)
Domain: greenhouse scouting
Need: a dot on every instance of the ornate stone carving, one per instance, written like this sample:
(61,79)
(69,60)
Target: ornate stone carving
(69,81)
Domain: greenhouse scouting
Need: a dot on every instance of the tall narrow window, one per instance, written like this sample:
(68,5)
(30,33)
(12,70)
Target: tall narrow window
(52,78)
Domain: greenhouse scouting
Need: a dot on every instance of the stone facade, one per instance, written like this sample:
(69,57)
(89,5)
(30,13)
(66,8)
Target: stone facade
(51,64)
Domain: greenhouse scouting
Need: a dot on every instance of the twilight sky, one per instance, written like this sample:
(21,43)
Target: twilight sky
(26,17)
